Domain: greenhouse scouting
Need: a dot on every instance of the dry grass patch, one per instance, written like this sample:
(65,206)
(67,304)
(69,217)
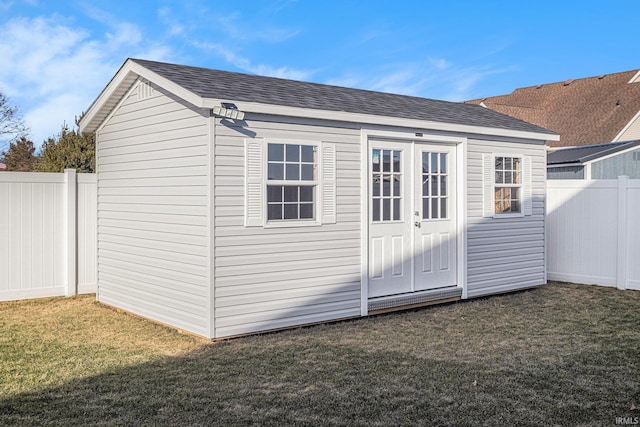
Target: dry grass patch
(557,355)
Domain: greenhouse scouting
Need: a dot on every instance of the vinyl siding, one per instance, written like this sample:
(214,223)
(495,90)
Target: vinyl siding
(504,254)
(153,211)
(268,278)
(633,131)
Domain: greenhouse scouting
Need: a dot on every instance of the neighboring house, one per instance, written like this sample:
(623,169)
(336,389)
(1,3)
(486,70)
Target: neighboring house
(232,203)
(3,167)
(598,161)
(585,111)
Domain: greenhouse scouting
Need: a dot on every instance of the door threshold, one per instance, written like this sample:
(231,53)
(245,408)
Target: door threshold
(413,299)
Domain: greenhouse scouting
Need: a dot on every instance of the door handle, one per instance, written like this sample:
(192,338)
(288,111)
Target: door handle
(418,224)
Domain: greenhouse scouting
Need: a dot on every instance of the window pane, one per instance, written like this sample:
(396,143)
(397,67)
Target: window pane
(306,211)
(376,210)
(507,177)
(507,163)
(515,206)
(307,172)
(516,178)
(307,153)
(306,193)
(443,162)
(376,160)
(443,185)
(499,163)
(376,185)
(425,186)
(434,185)
(434,162)
(499,177)
(276,152)
(425,209)
(293,153)
(386,161)
(434,208)
(386,209)
(274,212)
(386,185)
(291,194)
(290,211)
(396,209)
(293,172)
(274,193)
(275,171)
(396,185)
(443,208)
(396,161)
(425,162)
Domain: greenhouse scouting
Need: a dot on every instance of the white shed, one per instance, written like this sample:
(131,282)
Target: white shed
(231,203)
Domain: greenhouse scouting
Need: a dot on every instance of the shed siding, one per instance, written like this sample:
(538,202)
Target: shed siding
(153,210)
(504,253)
(267,278)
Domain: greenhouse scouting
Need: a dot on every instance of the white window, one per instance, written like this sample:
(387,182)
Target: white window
(289,182)
(506,185)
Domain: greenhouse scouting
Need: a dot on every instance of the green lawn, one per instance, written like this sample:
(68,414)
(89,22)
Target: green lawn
(561,354)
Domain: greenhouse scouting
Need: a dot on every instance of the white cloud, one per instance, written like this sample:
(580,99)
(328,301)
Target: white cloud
(54,69)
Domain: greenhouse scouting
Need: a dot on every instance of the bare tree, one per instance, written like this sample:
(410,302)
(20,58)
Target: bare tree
(12,126)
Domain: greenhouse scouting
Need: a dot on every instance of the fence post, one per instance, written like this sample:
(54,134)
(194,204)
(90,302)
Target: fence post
(622,255)
(71,270)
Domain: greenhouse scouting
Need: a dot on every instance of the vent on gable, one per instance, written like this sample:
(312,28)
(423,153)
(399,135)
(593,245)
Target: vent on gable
(144,91)
(636,156)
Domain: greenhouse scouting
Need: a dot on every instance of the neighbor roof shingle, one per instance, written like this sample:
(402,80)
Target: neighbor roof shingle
(216,84)
(583,111)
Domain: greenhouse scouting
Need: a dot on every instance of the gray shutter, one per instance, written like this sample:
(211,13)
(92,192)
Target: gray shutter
(488,185)
(527,193)
(328,183)
(253,183)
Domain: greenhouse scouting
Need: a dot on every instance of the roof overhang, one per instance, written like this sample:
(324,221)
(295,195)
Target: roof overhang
(131,71)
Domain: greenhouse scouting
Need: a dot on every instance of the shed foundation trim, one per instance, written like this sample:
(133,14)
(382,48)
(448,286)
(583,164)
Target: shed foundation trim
(396,301)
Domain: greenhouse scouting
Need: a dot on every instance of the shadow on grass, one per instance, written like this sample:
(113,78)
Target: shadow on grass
(345,374)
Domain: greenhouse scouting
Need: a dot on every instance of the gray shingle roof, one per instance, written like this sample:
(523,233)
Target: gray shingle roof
(588,152)
(216,84)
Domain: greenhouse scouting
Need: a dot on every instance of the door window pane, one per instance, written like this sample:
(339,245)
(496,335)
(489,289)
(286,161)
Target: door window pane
(434,185)
(386,185)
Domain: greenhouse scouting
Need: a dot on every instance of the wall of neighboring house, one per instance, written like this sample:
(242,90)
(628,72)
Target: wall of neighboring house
(627,164)
(632,131)
(268,278)
(504,254)
(153,210)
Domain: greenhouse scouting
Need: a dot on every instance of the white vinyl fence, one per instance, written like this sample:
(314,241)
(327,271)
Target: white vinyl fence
(593,232)
(47,234)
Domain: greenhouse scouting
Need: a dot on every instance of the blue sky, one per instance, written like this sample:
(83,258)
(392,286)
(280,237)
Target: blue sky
(56,56)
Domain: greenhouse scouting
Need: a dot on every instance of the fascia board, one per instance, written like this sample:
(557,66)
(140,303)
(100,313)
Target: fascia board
(121,82)
(279,110)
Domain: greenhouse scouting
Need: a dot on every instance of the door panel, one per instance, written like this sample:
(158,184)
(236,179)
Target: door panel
(435,225)
(389,222)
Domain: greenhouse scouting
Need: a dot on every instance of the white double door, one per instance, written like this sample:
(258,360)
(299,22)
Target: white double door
(412,217)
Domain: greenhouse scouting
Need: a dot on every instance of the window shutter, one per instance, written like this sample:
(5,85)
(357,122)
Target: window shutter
(527,193)
(253,183)
(488,185)
(328,182)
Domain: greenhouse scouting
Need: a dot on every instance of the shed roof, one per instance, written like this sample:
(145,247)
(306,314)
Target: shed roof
(583,111)
(237,87)
(580,155)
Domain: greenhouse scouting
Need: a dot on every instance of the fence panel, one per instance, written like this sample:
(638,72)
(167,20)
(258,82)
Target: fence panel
(593,231)
(43,250)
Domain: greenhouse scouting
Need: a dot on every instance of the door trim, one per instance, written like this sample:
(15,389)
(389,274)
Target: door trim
(411,137)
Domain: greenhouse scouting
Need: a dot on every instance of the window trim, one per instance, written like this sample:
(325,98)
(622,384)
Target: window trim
(316,183)
(488,173)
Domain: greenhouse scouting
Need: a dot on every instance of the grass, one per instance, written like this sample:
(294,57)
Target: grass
(557,355)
